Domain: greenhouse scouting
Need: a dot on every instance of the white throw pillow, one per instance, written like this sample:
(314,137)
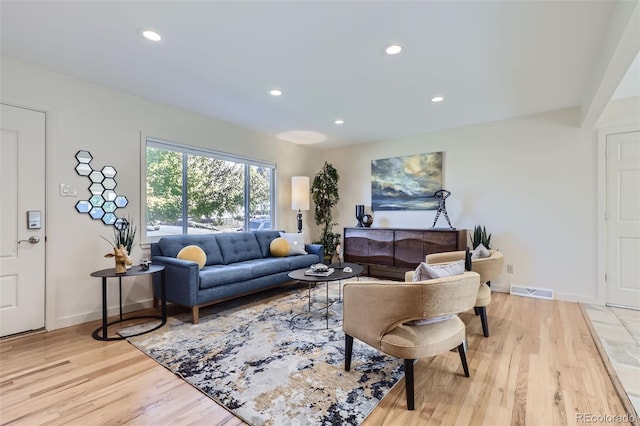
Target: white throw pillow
(428,272)
(296,243)
(480,252)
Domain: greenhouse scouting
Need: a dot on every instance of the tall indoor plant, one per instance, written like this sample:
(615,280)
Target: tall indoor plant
(325,196)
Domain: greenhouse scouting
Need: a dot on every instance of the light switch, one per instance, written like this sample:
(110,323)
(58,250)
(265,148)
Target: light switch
(68,190)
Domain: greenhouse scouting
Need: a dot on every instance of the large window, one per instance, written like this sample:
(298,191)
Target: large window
(194,191)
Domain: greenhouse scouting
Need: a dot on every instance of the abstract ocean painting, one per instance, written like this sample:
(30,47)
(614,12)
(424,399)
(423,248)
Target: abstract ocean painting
(406,183)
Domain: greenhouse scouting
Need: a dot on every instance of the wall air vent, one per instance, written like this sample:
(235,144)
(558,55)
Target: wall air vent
(538,293)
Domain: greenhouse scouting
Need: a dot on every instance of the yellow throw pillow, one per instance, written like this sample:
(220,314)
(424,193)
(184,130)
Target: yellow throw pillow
(194,254)
(279,247)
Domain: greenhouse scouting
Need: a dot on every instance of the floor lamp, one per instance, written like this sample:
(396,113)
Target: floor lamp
(299,196)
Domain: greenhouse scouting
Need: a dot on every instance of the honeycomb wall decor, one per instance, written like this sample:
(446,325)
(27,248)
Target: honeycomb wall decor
(104,201)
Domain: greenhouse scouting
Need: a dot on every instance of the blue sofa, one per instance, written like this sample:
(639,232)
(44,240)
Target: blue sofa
(238,263)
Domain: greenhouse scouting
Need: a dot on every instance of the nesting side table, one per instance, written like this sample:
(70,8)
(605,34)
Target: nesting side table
(135,270)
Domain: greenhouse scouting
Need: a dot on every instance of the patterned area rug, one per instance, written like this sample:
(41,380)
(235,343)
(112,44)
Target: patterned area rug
(270,361)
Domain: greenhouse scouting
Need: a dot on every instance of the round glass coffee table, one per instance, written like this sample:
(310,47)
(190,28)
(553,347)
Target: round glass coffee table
(338,274)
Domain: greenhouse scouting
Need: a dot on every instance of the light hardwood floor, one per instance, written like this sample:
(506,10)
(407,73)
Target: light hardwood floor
(538,367)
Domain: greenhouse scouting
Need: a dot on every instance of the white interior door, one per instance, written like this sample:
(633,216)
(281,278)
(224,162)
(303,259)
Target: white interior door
(22,241)
(623,219)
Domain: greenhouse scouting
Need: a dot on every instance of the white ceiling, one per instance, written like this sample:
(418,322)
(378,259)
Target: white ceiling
(491,60)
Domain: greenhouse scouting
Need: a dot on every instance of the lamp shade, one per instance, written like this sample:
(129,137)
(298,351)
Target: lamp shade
(299,192)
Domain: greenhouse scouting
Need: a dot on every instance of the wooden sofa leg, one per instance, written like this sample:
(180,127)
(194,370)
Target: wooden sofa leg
(348,350)
(408,378)
(195,312)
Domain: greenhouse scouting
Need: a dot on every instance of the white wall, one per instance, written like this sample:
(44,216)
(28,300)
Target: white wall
(531,181)
(85,116)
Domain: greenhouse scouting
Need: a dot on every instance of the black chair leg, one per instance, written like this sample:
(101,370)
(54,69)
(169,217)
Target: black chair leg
(348,350)
(408,378)
(483,319)
(476,310)
(463,358)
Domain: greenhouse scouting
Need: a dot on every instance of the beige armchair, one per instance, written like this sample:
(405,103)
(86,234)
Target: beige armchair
(377,313)
(489,268)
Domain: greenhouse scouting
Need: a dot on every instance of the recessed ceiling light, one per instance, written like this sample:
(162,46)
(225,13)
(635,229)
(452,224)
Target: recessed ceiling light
(437,99)
(393,49)
(339,122)
(302,137)
(275,92)
(151,35)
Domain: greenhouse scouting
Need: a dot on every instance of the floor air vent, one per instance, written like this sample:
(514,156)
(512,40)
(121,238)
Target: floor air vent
(538,293)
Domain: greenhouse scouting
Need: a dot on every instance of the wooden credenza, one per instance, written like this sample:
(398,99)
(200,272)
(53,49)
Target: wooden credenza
(390,252)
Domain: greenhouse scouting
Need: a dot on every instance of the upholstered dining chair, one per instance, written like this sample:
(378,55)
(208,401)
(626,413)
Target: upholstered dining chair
(409,320)
(489,269)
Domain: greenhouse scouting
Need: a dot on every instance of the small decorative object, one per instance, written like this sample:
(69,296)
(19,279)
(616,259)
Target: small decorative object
(144,264)
(368,220)
(360,214)
(122,260)
(441,195)
(104,200)
(124,234)
(319,267)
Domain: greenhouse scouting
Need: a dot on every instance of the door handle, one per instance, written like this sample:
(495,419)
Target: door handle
(33,240)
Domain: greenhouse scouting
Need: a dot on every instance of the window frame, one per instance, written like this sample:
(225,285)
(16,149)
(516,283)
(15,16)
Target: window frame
(161,143)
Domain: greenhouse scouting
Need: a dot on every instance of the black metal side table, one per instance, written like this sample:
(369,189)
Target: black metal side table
(338,274)
(135,270)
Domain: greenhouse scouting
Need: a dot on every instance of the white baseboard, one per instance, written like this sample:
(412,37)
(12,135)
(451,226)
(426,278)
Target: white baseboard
(565,297)
(499,288)
(96,315)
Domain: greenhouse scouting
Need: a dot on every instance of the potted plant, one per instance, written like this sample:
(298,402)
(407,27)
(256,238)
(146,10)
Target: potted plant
(124,232)
(480,236)
(325,196)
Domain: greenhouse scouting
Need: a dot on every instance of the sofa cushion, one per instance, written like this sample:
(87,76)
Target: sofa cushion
(171,245)
(216,275)
(268,266)
(302,261)
(296,243)
(264,240)
(194,254)
(238,246)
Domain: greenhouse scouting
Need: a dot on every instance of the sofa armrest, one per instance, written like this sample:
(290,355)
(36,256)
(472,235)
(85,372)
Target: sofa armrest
(317,249)
(182,277)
